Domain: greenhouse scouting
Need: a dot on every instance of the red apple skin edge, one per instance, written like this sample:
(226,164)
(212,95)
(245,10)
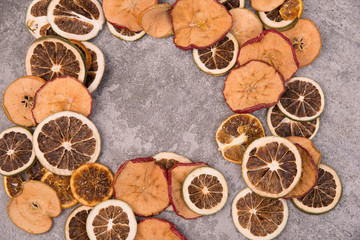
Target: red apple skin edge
(173,227)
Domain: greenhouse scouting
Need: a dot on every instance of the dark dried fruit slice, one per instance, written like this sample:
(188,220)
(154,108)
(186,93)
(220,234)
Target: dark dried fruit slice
(257,217)
(36,171)
(75,225)
(266,5)
(156,21)
(253,86)
(36,19)
(97,67)
(124,33)
(83,50)
(65,141)
(18,100)
(111,219)
(91,184)
(156,228)
(12,184)
(309,146)
(195,26)
(231,4)
(169,159)
(143,185)
(271,166)
(291,9)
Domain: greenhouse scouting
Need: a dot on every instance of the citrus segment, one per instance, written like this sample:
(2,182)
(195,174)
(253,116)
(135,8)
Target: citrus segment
(155,228)
(75,225)
(97,67)
(266,5)
(309,146)
(12,184)
(291,9)
(231,4)
(156,21)
(36,19)
(124,33)
(168,159)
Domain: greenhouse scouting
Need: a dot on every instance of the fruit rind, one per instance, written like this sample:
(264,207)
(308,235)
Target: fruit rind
(137,36)
(280,26)
(71,215)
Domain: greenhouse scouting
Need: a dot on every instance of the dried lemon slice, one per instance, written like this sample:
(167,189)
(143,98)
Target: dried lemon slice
(75,225)
(36,19)
(124,33)
(97,67)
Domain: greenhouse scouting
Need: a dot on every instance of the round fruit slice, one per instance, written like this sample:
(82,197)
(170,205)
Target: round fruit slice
(303,99)
(231,4)
(291,9)
(168,159)
(282,126)
(16,150)
(75,225)
(236,133)
(205,191)
(84,51)
(91,184)
(309,146)
(271,166)
(324,196)
(155,228)
(273,20)
(65,141)
(218,59)
(257,217)
(12,184)
(195,26)
(97,67)
(111,219)
(306,39)
(266,5)
(143,185)
(36,171)
(61,94)
(36,19)
(72,19)
(124,33)
(18,100)
(50,57)
(156,21)
(253,86)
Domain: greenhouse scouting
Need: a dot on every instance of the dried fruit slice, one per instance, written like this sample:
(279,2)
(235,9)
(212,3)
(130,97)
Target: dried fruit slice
(291,9)
(170,159)
(124,33)
(84,51)
(282,126)
(274,48)
(61,94)
(16,150)
(176,177)
(306,39)
(236,133)
(36,19)
(66,140)
(266,5)
(91,184)
(253,86)
(231,4)
(205,191)
(273,20)
(271,166)
(36,171)
(72,19)
(18,100)
(326,194)
(12,184)
(111,219)
(303,99)
(195,26)
(49,57)
(143,185)
(156,228)
(309,146)
(257,217)
(75,225)
(156,21)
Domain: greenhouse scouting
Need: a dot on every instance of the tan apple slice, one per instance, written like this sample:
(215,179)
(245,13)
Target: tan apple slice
(266,5)
(156,21)
(309,146)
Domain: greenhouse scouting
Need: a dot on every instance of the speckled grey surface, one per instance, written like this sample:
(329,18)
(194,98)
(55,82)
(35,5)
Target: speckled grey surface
(153,98)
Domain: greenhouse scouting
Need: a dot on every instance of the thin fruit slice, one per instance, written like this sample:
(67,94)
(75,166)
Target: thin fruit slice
(236,133)
(125,13)
(36,19)
(273,20)
(195,26)
(156,228)
(156,21)
(205,191)
(16,150)
(73,19)
(50,57)
(97,67)
(91,184)
(176,177)
(282,126)
(75,225)
(12,184)
(266,5)
(18,100)
(303,99)
(143,185)
(61,184)
(36,171)
(309,146)
(246,25)
(231,4)
(274,48)
(291,9)
(169,159)
(257,217)
(111,219)
(65,141)
(253,86)
(326,194)
(61,94)
(271,166)
(84,51)
(306,39)
(124,33)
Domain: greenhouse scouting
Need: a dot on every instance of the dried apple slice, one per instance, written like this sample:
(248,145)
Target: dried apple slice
(266,5)
(36,19)
(75,225)
(253,86)
(124,33)
(309,146)
(199,24)
(231,4)
(157,228)
(156,21)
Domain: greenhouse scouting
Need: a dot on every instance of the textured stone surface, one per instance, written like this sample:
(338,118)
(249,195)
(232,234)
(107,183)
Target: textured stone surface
(153,98)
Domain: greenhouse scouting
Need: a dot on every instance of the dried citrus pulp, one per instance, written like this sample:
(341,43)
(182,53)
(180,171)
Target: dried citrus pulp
(75,225)
(66,140)
(271,166)
(73,19)
(91,184)
(199,24)
(155,228)
(49,57)
(236,133)
(324,196)
(111,219)
(124,33)
(230,4)
(83,50)
(257,217)
(266,5)
(36,19)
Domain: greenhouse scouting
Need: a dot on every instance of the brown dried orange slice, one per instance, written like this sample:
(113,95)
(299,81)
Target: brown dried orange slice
(124,33)
(12,184)
(195,26)
(36,171)
(97,67)
(36,19)
(309,146)
(156,21)
(231,4)
(157,228)
(266,5)
(291,9)
(75,225)
(84,51)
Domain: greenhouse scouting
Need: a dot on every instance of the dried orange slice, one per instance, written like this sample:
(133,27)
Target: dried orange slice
(97,67)
(169,159)
(12,184)
(75,225)
(195,26)
(36,171)
(124,33)
(36,19)
(271,166)
(309,146)
(156,21)
(231,4)
(84,51)
(291,9)
(266,5)
(157,228)
(91,184)
(236,133)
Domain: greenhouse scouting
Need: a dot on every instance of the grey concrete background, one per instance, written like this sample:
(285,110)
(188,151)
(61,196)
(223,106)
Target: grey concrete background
(153,98)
